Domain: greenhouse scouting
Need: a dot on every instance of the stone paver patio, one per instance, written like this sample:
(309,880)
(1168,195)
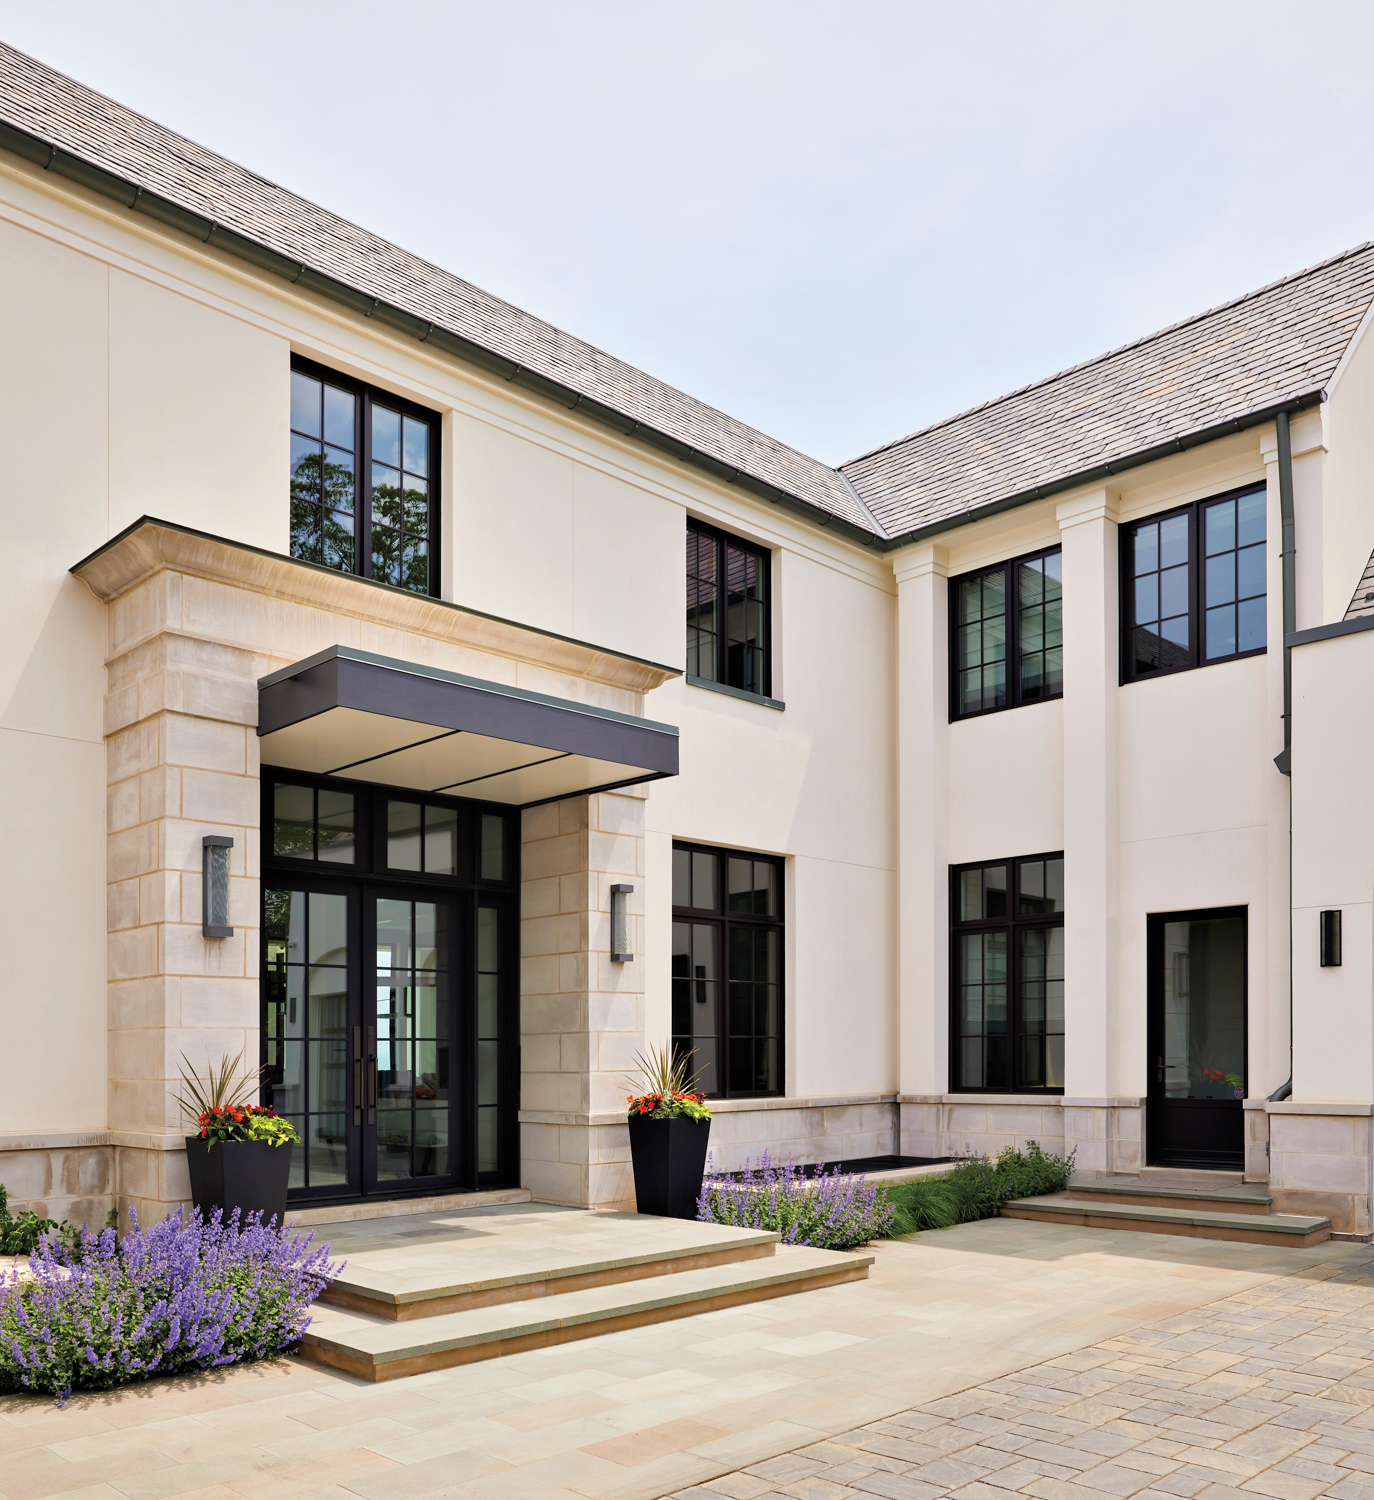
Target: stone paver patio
(1269,1392)
(1146,1363)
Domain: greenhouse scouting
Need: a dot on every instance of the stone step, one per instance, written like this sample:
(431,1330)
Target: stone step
(385,1349)
(1182,1193)
(426,1268)
(1270,1229)
(395,1208)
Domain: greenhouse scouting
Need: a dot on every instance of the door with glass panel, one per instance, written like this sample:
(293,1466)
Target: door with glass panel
(389,1029)
(1197,1038)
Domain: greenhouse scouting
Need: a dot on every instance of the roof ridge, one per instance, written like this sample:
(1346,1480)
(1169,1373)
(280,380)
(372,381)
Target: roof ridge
(1098,359)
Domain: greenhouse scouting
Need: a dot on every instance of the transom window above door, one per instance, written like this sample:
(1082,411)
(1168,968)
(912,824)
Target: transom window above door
(364,480)
(1193,587)
(1007,635)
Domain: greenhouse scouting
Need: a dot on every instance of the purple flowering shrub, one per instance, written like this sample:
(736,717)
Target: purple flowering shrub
(831,1211)
(187,1294)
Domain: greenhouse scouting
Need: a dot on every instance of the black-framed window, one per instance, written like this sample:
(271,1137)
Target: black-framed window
(728,969)
(1193,587)
(1007,635)
(364,480)
(727,610)
(390,949)
(1007,969)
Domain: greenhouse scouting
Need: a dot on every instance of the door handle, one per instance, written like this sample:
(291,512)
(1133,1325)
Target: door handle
(1160,1065)
(371,1075)
(357,1075)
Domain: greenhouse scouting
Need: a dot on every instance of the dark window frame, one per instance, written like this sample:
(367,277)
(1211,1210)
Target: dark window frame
(1197,604)
(724,920)
(724,540)
(467,890)
(1012,924)
(1013,616)
(364,396)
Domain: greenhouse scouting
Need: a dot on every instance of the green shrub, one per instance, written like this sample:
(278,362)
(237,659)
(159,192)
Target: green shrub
(20,1233)
(976,1189)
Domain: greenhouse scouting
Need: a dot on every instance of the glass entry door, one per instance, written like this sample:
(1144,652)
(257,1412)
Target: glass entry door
(403,1044)
(1197,1039)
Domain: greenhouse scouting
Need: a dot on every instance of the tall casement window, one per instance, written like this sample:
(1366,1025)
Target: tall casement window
(1193,586)
(727,969)
(389,1004)
(727,611)
(1007,1021)
(1006,635)
(364,480)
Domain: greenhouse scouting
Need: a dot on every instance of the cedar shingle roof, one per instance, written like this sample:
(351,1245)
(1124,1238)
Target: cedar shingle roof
(1222,366)
(1225,367)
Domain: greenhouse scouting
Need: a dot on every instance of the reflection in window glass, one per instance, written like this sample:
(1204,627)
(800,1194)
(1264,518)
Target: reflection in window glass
(488,1038)
(323,462)
(1040,626)
(1234,580)
(400,500)
(727,610)
(334,827)
(402,835)
(312,823)
(981,650)
(1160,635)
(441,840)
(1008,990)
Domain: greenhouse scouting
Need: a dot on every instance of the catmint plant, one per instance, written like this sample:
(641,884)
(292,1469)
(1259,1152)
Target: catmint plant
(832,1211)
(187,1294)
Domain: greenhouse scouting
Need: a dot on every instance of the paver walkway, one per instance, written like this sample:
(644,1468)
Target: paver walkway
(640,1414)
(1266,1393)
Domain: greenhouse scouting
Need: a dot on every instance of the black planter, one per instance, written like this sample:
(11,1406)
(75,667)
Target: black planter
(669,1159)
(248,1175)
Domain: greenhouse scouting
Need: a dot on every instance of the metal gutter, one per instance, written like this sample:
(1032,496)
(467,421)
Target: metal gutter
(130,195)
(1107,470)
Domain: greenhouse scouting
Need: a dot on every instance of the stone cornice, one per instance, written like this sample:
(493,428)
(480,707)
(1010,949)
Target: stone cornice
(151,546)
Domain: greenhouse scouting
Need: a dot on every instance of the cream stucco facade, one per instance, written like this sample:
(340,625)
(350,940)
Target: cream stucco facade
(149,378)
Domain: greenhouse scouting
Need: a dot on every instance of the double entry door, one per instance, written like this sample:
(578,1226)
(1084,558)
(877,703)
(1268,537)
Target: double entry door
(381,1034)
(1197,1038)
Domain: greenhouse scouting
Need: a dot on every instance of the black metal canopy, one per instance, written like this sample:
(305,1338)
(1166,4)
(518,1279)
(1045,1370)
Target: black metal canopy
(351,713)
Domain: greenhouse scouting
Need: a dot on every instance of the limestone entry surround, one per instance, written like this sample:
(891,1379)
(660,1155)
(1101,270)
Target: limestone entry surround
(193,622)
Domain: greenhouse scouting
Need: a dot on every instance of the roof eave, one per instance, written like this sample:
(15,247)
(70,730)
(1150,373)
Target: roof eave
(130,195)
(1105,470)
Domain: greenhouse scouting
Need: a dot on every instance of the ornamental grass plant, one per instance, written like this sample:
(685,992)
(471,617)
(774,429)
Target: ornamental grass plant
(665,1089)
(830,1211)
(976,1188)
(187,1294)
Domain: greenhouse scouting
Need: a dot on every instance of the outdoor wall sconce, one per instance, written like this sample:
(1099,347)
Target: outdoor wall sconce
(620,924)
(1331,939)
(214,885)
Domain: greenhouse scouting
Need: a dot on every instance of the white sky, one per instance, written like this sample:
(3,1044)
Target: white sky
(836,221)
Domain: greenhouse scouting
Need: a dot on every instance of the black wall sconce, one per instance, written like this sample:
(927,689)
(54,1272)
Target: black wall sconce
(1331,939)
(214,885)
(620,924)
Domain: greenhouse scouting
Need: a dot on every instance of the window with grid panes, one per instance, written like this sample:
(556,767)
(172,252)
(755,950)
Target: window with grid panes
(727,969)
(1007,1000)
(1193,585)
(727,610)
(1006,635)
(364,480)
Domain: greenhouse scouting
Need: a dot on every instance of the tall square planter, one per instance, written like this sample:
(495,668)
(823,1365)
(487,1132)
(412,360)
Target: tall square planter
(669,1158)
(251,1176)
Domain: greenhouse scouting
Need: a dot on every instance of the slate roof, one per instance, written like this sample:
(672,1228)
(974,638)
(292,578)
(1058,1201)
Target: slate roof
(60,111)
(1222,366)
(1226,367)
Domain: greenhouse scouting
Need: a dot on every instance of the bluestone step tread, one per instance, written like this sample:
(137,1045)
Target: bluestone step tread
(376,1341)
(1061,1203)
(1134,1187)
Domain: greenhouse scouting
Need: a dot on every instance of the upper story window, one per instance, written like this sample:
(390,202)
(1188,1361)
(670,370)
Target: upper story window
(364,480)
(727,611)
(1193,585)
(1007,635)
(1007,1004)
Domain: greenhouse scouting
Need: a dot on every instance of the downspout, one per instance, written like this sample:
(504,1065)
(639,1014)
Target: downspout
(1283,760)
